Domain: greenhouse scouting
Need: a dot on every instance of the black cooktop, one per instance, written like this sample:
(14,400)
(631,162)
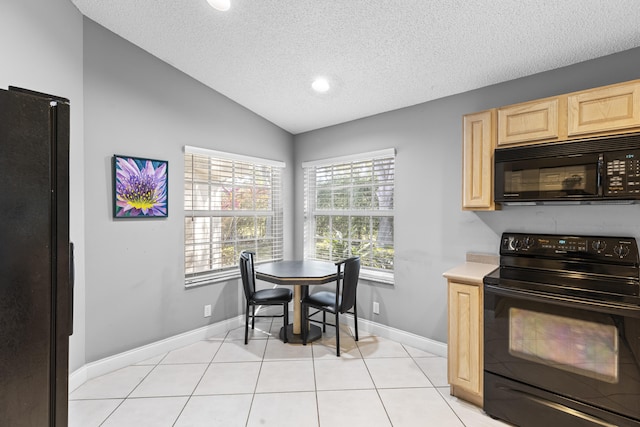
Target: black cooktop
(591,267)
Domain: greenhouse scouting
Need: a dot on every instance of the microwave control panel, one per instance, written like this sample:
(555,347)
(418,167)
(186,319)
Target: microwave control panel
(622,173)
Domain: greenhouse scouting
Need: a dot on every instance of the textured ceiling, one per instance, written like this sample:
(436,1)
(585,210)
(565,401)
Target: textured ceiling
(379,55)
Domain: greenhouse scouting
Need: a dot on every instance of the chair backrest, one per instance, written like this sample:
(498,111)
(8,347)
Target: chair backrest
(248,273)
(349,282)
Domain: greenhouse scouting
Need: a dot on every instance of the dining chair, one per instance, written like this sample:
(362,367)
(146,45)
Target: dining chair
(340,301)
(274,296)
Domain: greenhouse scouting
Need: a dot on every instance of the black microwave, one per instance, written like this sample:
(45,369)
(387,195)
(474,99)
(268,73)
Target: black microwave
(584,171)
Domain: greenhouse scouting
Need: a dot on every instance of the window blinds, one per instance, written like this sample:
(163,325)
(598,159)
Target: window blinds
(232,203)
(349,210)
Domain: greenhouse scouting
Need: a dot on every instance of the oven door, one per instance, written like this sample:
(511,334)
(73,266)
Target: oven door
(581,355)
(549,179)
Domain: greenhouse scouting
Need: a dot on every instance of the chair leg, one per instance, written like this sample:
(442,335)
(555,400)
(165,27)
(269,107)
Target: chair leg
(246,325)
(355,320)
(337,334)
(286,321)
(253,317)
(324,321)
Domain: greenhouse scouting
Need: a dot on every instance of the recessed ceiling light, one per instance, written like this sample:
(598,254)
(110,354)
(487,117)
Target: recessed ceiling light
(220,4)
(320,85)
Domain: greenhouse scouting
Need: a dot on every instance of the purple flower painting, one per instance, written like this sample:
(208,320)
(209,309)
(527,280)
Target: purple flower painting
(140,187)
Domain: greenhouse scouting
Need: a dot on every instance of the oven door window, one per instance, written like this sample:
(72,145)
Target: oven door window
(573,345)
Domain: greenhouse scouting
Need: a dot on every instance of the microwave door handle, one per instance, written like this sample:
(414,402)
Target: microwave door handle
(600,174)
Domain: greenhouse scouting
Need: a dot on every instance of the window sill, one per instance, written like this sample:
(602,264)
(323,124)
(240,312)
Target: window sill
(197,282)
(378,277)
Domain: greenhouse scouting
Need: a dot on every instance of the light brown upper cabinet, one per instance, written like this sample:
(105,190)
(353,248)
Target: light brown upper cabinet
(608,109)
(477,164)
(532,122)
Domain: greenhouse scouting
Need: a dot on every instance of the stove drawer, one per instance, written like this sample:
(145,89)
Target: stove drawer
(528,406)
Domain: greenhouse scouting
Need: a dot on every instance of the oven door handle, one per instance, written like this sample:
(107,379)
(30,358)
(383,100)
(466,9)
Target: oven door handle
(611,307)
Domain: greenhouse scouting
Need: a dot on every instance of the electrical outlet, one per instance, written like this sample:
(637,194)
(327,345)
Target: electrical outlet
(376,307)
(207,310)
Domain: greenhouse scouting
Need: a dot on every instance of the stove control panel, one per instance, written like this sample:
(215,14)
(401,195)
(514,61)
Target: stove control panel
(561,246)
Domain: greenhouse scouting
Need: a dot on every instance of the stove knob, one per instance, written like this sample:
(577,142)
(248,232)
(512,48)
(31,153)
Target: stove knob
(516,244)
(505,243)
(528,242)
(599,245)
(622,250)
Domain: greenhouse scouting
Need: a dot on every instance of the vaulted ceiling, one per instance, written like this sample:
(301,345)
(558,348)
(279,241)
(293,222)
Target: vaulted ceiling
(378,55)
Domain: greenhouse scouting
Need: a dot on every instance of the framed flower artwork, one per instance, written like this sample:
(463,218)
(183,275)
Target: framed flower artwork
(140,187)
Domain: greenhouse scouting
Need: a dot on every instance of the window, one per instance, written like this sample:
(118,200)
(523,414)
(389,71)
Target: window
(232,203)
(349,211)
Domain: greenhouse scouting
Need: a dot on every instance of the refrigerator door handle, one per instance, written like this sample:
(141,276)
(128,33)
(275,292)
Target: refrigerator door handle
(72,279)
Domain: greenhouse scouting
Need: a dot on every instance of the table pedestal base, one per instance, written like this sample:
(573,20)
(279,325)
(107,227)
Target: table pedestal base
(315,333)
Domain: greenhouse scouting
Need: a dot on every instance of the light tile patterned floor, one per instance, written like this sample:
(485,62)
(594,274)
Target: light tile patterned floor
(222,382)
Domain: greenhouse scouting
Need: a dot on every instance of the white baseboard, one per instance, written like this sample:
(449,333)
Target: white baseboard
(136,355)
(416,341)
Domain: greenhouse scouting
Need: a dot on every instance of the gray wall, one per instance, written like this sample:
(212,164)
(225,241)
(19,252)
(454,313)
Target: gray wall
(138,105)
(132,103)
(432,233)
(41,47)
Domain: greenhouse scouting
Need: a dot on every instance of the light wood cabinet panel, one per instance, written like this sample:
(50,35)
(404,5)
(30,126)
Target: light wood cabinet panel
(605,109)
(465,359)
(477,168)
(531,122)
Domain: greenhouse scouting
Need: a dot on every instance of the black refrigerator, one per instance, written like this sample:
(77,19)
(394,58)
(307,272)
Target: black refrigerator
(36,259)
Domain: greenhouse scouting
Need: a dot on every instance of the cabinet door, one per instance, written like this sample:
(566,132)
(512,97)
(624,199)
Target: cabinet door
(610,108)
(465,338)
(477,168)
(529,122)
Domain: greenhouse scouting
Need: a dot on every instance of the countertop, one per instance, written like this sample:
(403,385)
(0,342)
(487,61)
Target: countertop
(472,271)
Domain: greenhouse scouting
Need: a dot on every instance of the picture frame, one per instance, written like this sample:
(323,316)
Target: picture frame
(140,187)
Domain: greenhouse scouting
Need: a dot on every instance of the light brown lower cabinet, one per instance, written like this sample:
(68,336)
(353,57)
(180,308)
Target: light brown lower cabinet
(465,359)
